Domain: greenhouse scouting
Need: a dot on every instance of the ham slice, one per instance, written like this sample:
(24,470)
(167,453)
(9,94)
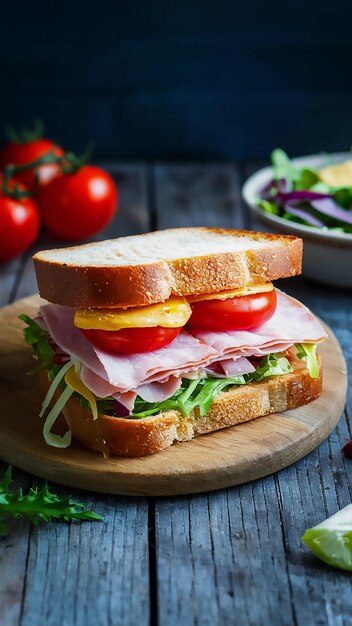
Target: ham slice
(236,367)
(155,376)
(123,372)
(157,392)
(230,367)
(127,399)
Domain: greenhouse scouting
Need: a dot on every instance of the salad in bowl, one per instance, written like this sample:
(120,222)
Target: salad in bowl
(310,197)
(318,197)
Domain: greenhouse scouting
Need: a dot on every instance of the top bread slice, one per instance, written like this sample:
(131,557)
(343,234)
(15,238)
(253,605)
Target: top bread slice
(146,269)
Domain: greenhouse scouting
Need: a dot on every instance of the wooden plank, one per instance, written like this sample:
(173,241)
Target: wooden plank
(81,573)
(236,555)
(90,573)
(13,560)
(14,545)
(197,195)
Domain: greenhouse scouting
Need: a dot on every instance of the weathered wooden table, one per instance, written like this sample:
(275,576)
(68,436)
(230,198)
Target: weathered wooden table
(227,557)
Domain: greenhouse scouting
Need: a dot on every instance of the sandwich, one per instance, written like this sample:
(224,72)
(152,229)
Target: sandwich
(154,339)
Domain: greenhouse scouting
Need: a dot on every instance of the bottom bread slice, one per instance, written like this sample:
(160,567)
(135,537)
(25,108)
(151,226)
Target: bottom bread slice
(139,437)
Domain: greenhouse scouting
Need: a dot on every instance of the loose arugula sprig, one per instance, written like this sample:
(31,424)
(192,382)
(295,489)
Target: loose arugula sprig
(38,504)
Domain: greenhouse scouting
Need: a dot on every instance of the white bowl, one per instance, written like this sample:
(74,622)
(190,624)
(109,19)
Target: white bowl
(327,256)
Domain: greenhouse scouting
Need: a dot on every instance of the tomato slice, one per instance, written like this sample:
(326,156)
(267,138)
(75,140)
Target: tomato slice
(239,313)
(131,340)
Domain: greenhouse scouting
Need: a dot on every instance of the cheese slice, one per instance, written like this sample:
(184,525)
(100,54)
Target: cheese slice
(233,293)
(339,175)
(73,381)
(173,313)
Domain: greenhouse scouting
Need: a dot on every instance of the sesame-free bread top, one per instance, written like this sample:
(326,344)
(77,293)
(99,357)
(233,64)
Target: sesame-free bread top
(145,269)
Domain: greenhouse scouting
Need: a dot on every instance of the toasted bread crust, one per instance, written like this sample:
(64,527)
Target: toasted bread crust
(140,437)
(137,285)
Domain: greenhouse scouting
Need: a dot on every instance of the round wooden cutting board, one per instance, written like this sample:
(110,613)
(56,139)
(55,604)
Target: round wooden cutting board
(228,457)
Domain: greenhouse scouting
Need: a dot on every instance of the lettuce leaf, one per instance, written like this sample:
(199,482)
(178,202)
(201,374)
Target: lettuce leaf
(268,207)
(307,351)
(37,338)
(283,167)
(200,393)
(271,365)
(192,393)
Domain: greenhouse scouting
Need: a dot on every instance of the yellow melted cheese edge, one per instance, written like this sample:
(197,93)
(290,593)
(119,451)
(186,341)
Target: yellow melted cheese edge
(173,313)
(233,293)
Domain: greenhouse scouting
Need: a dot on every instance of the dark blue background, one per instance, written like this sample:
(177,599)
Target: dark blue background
(181,80)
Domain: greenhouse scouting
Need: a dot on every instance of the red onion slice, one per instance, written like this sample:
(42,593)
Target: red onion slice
(304,215)
(329,207)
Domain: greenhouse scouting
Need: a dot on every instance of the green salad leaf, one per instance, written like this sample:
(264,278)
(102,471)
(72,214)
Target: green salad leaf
(283,166)
(307,351)
(200,393)
(269,207)
(38,504)
(271,365)
(293,199)
(37,338)
(307,177)
(331,540)
(192,393)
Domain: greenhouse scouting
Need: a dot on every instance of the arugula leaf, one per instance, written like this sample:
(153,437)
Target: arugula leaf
(37,338)
(283,166)
(38,504)
(307,351)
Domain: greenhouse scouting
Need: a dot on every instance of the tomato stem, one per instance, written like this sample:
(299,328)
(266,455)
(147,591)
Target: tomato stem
(26,135)
(69,163)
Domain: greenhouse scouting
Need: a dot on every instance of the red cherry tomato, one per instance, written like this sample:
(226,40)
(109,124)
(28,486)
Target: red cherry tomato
(23,153)
(76,206)
(131,340)
(19,224)
(239,313)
